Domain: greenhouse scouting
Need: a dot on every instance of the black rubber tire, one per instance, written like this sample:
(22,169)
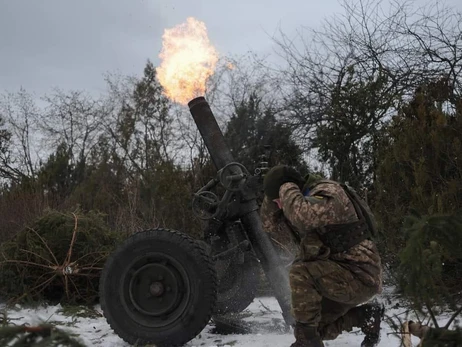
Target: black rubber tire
(187,298)
(238,289)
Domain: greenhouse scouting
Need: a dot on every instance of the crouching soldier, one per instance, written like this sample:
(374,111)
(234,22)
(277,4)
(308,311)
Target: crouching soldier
(336,264)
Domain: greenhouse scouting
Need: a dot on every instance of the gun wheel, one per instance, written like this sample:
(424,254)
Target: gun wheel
(237,285)
(159,287)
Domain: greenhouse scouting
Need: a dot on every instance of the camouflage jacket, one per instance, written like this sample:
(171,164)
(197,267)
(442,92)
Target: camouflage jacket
(282,234)
(300,219)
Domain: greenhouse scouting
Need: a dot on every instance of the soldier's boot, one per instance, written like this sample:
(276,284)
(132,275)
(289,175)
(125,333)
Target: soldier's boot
(371,317)
(306,336)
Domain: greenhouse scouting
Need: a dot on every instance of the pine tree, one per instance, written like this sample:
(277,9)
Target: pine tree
(420,166)
(429,273)
(57,176)
(347,133)
(254,125)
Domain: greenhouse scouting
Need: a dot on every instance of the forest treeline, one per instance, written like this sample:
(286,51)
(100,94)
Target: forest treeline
(372,98)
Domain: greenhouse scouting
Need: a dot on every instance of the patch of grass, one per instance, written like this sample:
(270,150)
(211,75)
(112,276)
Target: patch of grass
(80,311)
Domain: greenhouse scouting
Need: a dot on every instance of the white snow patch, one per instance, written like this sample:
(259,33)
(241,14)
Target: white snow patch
(264,311)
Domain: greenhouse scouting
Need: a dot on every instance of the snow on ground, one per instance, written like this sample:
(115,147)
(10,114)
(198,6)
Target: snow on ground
(264,314)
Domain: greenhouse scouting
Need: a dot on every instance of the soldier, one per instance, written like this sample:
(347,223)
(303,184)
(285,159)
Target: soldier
(337,266)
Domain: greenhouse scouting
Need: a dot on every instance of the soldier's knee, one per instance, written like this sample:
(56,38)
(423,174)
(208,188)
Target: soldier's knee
(297,270)
(299,276)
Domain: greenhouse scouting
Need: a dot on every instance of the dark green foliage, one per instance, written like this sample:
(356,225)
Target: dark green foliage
(58,176)
(57,258)
(36,336)
(165,197)
(426,272)
(439,337)
(254,125)
(103,187)
(420,165)
(347,133)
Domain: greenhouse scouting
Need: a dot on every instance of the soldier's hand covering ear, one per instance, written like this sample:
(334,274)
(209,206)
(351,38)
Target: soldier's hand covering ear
(277,176)
(310,181)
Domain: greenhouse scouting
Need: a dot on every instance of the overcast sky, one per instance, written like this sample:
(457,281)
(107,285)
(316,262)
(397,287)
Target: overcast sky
(71,44)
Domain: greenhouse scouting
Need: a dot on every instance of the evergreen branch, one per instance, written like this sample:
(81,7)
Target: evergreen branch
(89,268)
(45,244)
(41,286)
(453,317)
(85,275)
(76,287)
(102,256)
(37,255)
(36,336)
(24,262)
(432,315)
(74,236)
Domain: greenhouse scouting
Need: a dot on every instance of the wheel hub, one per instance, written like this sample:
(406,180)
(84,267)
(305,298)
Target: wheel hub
(156,289)
(147,289)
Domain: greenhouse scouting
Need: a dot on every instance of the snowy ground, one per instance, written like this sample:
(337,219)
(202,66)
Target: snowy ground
(264,315)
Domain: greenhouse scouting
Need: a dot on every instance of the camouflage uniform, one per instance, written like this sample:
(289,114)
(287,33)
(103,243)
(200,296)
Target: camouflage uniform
(281,232)
(326,287)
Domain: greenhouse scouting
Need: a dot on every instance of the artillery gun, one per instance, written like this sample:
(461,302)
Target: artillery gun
(162,287)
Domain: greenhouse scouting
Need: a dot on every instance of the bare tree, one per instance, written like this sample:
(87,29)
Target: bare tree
(73,118)
(237,79)
(343,82)
(140,123)
(20,113)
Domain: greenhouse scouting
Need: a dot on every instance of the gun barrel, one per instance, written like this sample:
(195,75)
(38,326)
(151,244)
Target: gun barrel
(221,156)
(210,132)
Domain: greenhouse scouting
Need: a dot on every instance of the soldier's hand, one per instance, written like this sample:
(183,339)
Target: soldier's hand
(277,176)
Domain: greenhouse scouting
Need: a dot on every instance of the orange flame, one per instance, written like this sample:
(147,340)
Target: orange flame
(188,61)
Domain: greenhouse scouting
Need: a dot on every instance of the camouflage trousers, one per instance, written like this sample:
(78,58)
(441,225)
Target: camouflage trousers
(325,294)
